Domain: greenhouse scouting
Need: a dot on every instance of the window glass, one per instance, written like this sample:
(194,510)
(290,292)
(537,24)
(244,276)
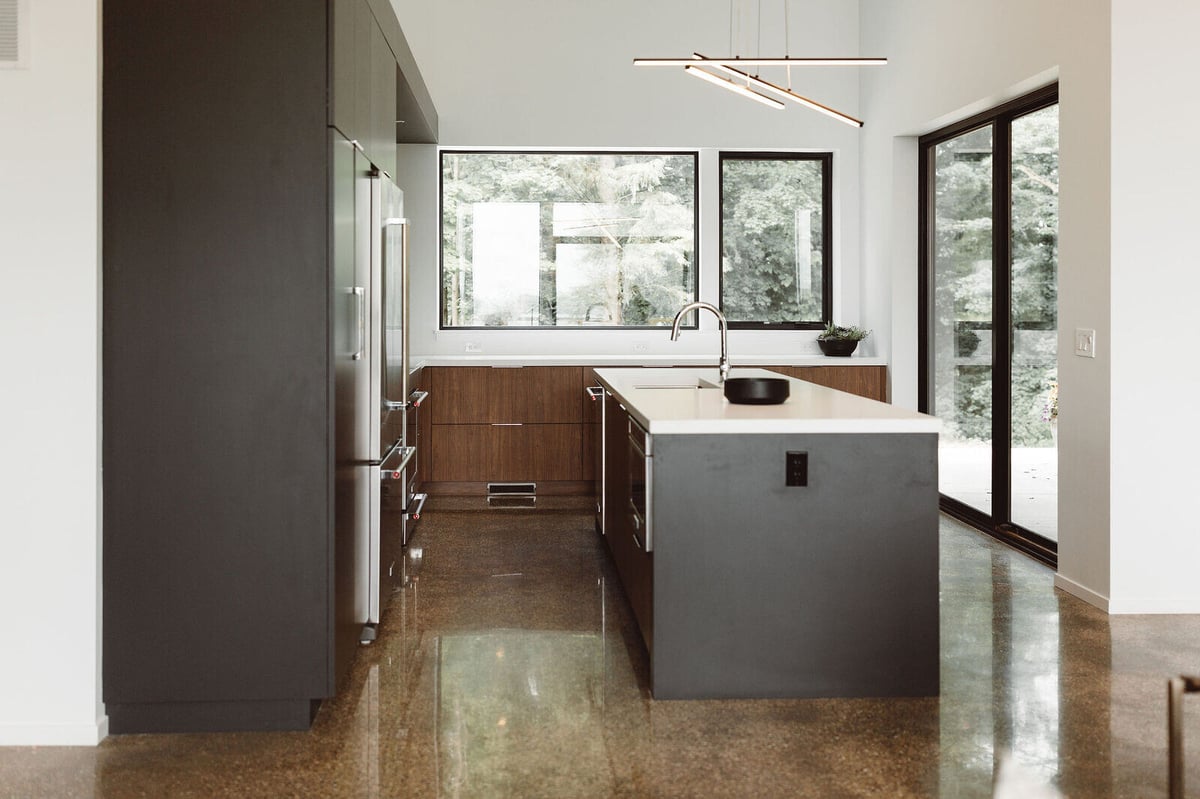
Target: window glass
(775,238)
(554,239)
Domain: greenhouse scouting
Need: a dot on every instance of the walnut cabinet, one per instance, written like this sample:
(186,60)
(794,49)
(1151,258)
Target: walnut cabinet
(488,424)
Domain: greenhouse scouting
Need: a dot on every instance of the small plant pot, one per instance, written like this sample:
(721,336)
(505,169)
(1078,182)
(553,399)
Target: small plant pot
(838,347)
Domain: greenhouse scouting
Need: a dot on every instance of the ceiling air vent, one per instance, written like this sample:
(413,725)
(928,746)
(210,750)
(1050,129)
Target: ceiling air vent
(14,33)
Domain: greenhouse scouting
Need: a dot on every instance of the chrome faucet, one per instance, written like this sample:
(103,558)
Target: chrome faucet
(707,306)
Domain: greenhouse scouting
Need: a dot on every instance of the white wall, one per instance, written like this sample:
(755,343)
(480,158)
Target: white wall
(1155,291)
(50,402)
(559,74)
(948,60)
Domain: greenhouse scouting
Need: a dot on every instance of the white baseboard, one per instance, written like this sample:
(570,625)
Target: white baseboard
(1125,607)
(1184,606)
(54,734)
(1082,592)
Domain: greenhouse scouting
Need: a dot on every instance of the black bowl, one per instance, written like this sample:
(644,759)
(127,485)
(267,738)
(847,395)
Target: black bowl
(837,346)
(757,390)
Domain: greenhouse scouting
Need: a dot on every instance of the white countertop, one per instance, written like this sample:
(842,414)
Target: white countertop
(640,360)
(809,409)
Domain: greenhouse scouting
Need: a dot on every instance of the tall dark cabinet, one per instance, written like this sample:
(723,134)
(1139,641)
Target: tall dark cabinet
(228,572)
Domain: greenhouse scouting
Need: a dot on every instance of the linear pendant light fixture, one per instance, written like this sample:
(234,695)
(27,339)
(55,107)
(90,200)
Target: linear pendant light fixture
(738,88)
(787,94)
(744,83)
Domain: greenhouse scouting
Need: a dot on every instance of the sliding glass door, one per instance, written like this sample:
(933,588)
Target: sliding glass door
(989,299)
(961,329)
(1034,310)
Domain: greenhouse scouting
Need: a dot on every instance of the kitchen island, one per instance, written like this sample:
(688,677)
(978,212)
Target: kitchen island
(744,585)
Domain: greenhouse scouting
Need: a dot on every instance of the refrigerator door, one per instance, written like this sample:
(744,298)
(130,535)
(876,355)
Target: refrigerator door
(388,375)
(366,422)
(347,331)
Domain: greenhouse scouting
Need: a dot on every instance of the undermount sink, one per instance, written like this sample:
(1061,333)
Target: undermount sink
(695,384)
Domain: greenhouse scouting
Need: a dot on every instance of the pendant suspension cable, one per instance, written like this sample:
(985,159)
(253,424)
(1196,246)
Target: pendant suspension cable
(787,48)
(731,27)
(736,30)
(787,44)
(758,21)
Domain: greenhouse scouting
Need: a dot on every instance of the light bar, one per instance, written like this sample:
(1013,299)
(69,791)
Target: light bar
(762,62)
(716,80)
(786,93)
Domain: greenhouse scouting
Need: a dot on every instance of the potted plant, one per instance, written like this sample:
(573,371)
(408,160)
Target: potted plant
(840,340)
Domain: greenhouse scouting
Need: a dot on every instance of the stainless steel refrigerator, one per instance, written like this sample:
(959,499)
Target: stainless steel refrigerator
(386,504)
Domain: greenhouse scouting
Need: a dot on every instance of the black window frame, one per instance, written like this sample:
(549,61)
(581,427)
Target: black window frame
(826,161)
(693,324)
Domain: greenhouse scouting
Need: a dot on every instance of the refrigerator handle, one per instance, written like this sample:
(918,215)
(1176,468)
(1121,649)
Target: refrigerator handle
(395,471)
(404,308)
(360,311)
(402,223)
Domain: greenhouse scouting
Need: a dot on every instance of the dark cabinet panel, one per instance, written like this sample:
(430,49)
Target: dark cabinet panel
(593,412)
(382,113)
(362,81)
(634,565)
(363,24)
(506,453)
(228,235)
(590,448)
(343,97)
(217,453)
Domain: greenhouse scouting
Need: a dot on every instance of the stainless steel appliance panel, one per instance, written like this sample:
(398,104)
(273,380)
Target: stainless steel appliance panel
(386,530)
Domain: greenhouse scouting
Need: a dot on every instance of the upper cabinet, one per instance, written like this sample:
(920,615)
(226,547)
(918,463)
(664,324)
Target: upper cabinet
(376,95)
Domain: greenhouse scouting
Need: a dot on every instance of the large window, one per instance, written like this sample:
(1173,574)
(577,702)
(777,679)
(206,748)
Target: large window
(560,240)
(775,239)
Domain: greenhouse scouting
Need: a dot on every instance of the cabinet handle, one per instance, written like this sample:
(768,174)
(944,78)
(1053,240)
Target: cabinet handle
(508,424)
(595,392)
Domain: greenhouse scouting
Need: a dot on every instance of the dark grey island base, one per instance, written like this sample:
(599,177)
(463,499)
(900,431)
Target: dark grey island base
(764,590)
(745,586)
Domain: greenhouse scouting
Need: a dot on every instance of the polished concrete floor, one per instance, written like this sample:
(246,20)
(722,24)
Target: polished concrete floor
(508,666)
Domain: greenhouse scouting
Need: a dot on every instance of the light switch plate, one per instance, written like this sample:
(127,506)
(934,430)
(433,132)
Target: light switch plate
(1085,342)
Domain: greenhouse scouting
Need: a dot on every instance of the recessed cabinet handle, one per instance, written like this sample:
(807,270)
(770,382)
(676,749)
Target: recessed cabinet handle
(508,424)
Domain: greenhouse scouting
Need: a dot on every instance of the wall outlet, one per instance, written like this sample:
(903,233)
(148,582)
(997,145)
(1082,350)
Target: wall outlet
(796,471)
(639,346)
(473,346)
(1085,342)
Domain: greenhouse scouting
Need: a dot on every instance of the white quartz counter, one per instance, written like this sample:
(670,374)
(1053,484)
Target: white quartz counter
(640,360)
(670,401)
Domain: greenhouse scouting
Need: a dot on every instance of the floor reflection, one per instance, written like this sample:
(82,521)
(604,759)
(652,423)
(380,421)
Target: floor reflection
(507,664)
(505,695)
